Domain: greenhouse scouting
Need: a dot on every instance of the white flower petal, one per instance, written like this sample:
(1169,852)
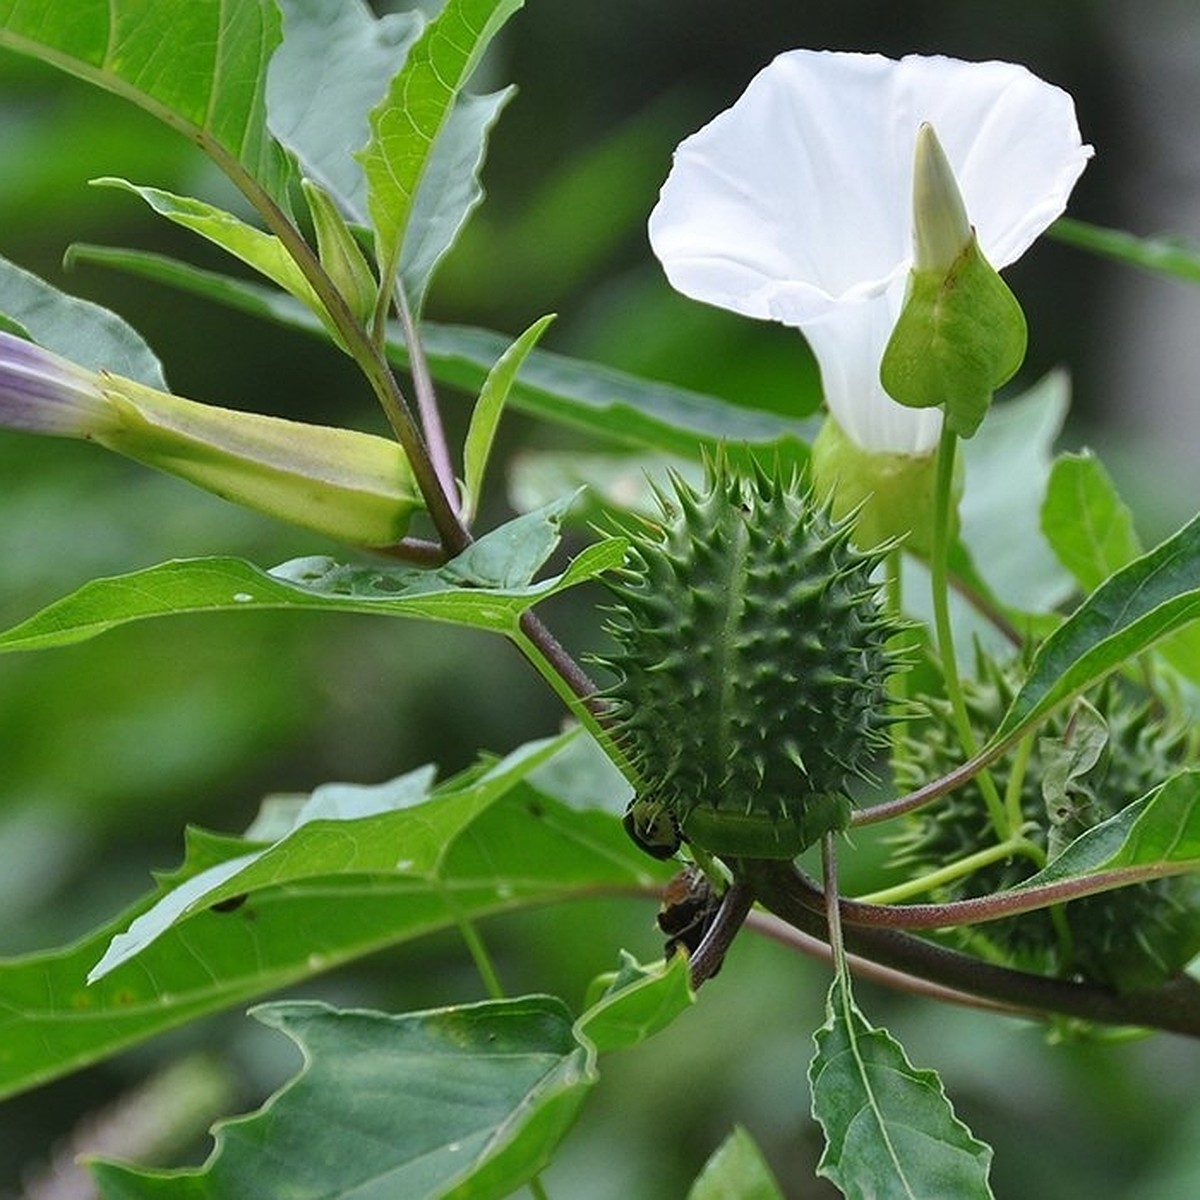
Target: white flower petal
(795,204)
(849,343)
(1012,139)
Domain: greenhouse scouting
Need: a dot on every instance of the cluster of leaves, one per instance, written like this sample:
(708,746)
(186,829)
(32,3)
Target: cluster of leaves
(278,96)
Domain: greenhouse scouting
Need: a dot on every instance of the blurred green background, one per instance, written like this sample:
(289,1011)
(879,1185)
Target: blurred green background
(108,749)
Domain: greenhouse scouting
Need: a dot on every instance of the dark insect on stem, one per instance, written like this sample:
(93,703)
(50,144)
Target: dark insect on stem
(652,828)
(689,906)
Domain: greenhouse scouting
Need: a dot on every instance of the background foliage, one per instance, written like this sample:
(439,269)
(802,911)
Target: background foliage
(107,749)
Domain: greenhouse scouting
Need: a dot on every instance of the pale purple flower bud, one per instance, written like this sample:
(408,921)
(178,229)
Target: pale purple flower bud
(43,393)
(345,484)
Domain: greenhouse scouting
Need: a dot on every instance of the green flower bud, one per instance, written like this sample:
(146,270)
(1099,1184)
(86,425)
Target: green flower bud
(941,230)
(961,333)
(348,485)
(340,254)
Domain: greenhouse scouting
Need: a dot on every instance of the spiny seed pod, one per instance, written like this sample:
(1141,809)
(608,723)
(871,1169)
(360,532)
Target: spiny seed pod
(752,665)
(1128,938)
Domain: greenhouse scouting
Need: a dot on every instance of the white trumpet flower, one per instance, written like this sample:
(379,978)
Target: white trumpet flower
(795,205)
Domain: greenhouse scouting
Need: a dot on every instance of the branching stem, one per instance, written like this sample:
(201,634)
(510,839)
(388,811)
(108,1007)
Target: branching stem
(366,353)
(427,405)
(572,685)
(1173,1007)
(731,916)
(873,813)
(956,870)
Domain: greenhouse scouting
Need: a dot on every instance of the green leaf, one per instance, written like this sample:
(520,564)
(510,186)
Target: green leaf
(889,1128)
(1160,832)
(333,68)
(525,849)
(456,1102)
(736,1171)
(1164,255)
(1152,845)
(1086,522)
(1182,651)
(485,417)
(217,52)
(487,587)
(406,125)
(598,400)
(638,1003)
(84,332)
(609,403)
(340,254)
(262,251)
(1150,598)
(1091,530)
(1069,764)
(1007,465)
(342,829)
(450,190)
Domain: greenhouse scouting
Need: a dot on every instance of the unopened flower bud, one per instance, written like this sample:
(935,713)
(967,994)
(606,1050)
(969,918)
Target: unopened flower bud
(961,333)
(340,254)
(348,485)
(941,231)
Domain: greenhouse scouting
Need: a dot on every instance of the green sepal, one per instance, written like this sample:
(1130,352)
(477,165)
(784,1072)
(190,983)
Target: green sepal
(890,495)
(960,336)
(740,832)
(347,485)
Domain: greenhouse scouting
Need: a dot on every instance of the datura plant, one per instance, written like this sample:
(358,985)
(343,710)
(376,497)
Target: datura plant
(902,690)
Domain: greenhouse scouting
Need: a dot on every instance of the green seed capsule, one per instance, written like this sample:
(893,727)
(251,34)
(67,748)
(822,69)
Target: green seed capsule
(1127,938)
(752,662)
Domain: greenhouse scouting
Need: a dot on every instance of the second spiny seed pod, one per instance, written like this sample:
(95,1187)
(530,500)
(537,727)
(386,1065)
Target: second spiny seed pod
(1089,762)
(752,666)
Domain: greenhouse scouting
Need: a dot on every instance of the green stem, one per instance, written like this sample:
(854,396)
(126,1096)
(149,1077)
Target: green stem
(833,911)
(573,686)
(939,569)
(365,352)
(890,809)
(433,478)
(955,870)
(427,405)
(1013,786)
(480,956)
